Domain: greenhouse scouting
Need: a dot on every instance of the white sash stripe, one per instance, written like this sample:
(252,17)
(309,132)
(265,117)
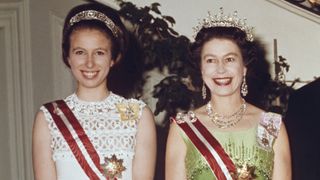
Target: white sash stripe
(212,151)
(79,142)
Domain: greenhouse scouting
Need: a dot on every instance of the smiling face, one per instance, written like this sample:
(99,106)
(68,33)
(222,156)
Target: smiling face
(90,58)
(222,67)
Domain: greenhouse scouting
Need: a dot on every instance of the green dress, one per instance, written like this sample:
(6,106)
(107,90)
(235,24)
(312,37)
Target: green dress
(250,150)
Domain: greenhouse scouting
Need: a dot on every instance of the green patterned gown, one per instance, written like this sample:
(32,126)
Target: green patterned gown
(250,150)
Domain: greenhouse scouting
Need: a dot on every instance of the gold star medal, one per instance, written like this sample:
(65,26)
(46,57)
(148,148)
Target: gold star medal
(113,167)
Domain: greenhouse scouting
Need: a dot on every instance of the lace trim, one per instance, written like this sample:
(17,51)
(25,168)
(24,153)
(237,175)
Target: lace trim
(69,155)
(103,125)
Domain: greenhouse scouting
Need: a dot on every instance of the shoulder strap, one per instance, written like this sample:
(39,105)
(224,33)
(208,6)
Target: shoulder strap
(268,130)
(218,160)
(66,122)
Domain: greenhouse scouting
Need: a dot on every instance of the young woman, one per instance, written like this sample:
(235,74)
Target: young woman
(94,133)
(227,138)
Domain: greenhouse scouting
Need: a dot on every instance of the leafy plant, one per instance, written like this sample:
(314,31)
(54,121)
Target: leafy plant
(164,49)
(278,90)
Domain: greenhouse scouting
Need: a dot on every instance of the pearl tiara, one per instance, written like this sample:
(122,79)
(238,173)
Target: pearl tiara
(95,15)
(221,20)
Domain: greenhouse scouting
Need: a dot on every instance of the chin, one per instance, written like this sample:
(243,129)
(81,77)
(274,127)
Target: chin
(224,93)
(91,84)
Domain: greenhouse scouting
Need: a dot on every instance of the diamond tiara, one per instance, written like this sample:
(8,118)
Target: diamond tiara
(221,20)
(96,15)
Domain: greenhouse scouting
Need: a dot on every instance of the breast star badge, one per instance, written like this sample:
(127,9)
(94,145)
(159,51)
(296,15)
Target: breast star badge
(113,167)
(246,172)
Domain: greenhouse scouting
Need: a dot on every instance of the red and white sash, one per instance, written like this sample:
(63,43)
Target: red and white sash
(218,160)
(66,122)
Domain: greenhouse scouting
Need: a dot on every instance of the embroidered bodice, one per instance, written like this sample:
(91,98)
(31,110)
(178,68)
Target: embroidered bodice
(107,129)
(251,148)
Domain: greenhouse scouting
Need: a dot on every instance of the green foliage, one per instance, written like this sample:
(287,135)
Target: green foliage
(162,48)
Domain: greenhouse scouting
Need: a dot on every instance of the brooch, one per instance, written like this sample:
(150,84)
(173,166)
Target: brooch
(246,172)
(113,167)
(128,111)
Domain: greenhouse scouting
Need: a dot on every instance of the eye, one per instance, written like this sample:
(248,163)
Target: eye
(230,59)
(79,52)
(100,53)
(210,60)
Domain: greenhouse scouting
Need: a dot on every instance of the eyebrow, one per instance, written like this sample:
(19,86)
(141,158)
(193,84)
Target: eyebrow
(233,54)
(228,54)
(100,48)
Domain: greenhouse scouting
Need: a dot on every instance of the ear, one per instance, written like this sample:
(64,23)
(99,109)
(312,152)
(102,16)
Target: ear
(118,58)
(112,63)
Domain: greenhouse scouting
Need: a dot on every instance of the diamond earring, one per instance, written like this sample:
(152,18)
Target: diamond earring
(244,87)
(204,91)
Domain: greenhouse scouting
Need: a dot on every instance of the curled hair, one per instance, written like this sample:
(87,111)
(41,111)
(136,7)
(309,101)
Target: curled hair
(119,44)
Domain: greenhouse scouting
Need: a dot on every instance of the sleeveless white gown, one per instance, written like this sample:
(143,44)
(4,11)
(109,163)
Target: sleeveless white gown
(104,127)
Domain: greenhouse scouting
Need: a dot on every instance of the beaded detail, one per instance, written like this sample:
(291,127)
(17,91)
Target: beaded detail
(243,147)
(268,130)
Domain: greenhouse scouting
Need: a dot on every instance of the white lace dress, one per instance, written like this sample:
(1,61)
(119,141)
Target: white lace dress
(108,133)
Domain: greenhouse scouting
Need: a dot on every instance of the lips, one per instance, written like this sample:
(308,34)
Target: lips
(89,74)
(222,81)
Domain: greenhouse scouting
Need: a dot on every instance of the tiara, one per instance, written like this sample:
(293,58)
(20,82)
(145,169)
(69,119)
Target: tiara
(221,20)
(96,15)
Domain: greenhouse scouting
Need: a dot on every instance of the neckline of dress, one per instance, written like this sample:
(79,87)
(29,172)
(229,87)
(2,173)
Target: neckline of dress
(254,127)
(76,99)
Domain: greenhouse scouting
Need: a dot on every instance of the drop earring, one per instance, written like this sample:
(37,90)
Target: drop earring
(244,87)
(204,91)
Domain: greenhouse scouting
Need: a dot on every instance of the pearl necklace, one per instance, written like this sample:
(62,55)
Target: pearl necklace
(222,121)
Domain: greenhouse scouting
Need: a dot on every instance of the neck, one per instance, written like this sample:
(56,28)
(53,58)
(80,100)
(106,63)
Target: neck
(226,105)
(92,94)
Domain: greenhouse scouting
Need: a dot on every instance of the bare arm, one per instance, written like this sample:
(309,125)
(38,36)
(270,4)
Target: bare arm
(282,157)
(43,165)
(175,155)
(145,152)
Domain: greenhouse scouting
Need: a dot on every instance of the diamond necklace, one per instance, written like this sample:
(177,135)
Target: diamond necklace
(222,121)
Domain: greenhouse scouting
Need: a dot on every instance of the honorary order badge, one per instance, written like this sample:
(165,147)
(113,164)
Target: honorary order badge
(128,111)
(113,167)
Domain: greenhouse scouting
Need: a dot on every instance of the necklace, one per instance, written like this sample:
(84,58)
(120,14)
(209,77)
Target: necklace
(222,121)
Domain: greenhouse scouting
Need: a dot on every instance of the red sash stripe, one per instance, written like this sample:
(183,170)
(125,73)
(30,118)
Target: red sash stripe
(216,145)
(71,142)
(204,151)
(81,133)
(218,160)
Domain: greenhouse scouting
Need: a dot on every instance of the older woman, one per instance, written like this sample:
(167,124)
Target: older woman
(227,138)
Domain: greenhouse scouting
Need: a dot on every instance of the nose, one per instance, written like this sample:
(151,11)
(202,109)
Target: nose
(221,68)
(90,61)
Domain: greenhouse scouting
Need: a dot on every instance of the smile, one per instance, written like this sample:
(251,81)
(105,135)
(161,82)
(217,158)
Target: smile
(89,74)
(222,81)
